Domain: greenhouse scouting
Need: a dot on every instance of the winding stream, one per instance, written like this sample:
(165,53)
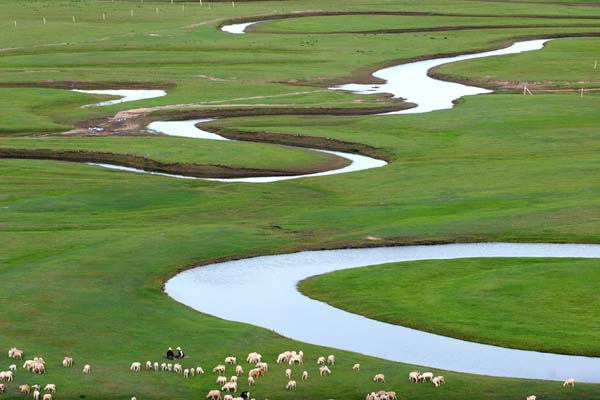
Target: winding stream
(283,309)
(125,95)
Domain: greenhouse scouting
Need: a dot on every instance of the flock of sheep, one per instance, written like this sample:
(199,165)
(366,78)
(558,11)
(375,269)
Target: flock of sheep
(37,365)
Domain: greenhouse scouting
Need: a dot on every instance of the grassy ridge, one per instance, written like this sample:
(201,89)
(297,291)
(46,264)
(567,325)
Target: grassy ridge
(544,305)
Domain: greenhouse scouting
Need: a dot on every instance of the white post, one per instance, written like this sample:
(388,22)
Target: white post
(201,2)
(131,13)
(233,4)
(171,1)
(596,64)
(103,17)
(156,10)
(44,20)
(183,7)
(581,93)
(73,19)
(15,24)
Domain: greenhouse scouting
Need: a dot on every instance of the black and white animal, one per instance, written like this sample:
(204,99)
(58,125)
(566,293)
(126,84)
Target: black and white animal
(245,395)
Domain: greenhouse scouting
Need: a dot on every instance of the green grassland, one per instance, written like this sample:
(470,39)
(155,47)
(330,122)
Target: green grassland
(525,303)
(84,251)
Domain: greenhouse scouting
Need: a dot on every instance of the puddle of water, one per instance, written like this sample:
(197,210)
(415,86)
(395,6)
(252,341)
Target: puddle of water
(237,28)
(126,95)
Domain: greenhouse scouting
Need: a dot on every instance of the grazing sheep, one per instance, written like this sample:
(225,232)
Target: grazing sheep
(221,380)
(324,370)
(2,388)
(134,398)
(67,362)
(438,380)
(177,368)
(6,376)
(13,368)
(426,375)
(230,360)
(35,387)
(254,373)
(413,376)
(15,353)
(228,397)
(136,366)
(321,361)
(532,397)
(331,360)
(305,375)
(192,371)
(36,395)
(262,365)
(199,371)
(229,386)
(47,396)
(392,396)
(220,369)
(155,367)
(148,365)
(284,357)
(291,385)
(251,381)
(239,370)
(379,378)
(356,367)
(214,395)
(87,369)
(569,382)
(288,373)
(233,378)
(50,388)
(169,367)
(254,358)
(186,373)
(296,359)
(24,389)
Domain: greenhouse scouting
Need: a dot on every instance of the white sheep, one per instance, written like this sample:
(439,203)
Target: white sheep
(169,367)
(305,375)
(229,386)
(228,397)
(263,365)
(239,370)
(155,367)
(36,395)
(438,380)
(230,360)
(291,385)
(234,378)
(321,361)
(47,396)
(569,382)
(331,359)
(221,380)
(288,373)
(87,369)
(148,365)
(177,368)
(2,388)
(67,362)
(186,373)
(251,381)
(532,397)
(356,367)
(220,369)
(136,366)
(214,395)
(13,368)
(284,357)
(379,378)
(254,357)
(392,396)
(199,371)
(163,366)
(192,371)
(296,359)
(51,388)
(24,389)
(324,370)
(413,376)
(426,375)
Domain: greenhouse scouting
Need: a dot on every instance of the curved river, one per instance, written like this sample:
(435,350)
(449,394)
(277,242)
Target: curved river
(294,315)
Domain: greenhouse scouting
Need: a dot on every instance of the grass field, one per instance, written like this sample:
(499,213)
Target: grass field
(494,301)
(84,251)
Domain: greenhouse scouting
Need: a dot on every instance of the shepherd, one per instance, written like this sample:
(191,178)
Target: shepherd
(170,354)
(180,353)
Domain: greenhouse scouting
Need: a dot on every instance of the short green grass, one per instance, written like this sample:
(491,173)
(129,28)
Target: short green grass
(546,305)
(84,251)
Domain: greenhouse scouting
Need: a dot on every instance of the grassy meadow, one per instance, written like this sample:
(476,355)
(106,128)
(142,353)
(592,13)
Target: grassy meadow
(84,251)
